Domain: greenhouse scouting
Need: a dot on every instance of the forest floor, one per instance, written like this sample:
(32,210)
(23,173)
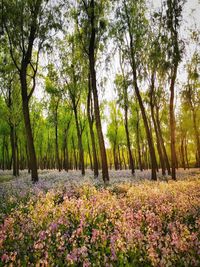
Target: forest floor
(69,220)
(73,177)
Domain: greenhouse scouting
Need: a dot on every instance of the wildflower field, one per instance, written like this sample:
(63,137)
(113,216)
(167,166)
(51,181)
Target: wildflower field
(127,223)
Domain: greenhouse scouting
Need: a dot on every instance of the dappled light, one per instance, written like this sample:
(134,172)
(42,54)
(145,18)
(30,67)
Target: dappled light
(99,133)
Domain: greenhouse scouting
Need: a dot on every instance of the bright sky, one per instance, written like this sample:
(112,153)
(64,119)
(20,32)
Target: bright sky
(191,19)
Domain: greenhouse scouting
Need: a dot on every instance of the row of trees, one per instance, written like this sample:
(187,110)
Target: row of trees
(64,129)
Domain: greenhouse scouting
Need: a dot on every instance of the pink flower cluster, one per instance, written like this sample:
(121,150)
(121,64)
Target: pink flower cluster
(148,224)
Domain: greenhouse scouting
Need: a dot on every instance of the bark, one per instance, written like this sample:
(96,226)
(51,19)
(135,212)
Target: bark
(65,148)
(123,157)
(138,143)
(89,152)
(172,125)
(27,123)
(3,153)
(183,153)
(166,159)
(75,158)
(120,161)
(57,159)
(91,120)
(131,163)
(139,98)
(14,149)
(196,136)
(105,174)
(116,163)
(17,152)
(125,95)
(159,148)
(80,145)
(186,153)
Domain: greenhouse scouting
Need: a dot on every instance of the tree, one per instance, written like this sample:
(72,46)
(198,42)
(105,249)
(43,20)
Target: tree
(52,87)
(131,17)
(91,22)
(191,97)
(90,114)
(122,85)
(10,89)
(27,25)
(174,49)
(73,76)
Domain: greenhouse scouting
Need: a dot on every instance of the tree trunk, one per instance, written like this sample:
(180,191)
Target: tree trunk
(152,92)
(116,163)
(17,153)
(65,152)
(58,167)
(80,145)
(148,133)
(89,152)
(3,153)
(131,163)
(196,136)
(138,143)
(105,174)
(125,96)
(186,153)
(27,123)
(139,98)
(162,141)
(120,160)
(172,125)
(183,153)
(123,157)
(14,150)
(75,158)
(90,120)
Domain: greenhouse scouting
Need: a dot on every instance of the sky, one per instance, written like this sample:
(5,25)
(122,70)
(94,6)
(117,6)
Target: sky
(191,19)
(191,16)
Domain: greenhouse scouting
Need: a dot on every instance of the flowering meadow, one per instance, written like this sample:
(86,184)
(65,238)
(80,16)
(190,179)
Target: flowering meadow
(127,223)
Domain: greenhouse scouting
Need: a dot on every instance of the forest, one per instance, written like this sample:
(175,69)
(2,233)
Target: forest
(99,133)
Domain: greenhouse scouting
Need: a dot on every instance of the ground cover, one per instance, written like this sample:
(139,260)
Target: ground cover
(67,220)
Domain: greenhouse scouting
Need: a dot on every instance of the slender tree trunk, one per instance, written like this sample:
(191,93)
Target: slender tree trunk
(27,123)
(57,159)
(90,120)
(138,143)
(74,149)
(123,157)
(116,163)
(186,153)
(172,125)
(166,159)
(13,146)
(3,153)
(89,152)
(65,152)
(131,163)
(125,96)
(120,161)
(196,136)
(8,160)
(17,155)
(152,92)
(139,98)
(148,133)
(105,174)
(80,145)
(183,153)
